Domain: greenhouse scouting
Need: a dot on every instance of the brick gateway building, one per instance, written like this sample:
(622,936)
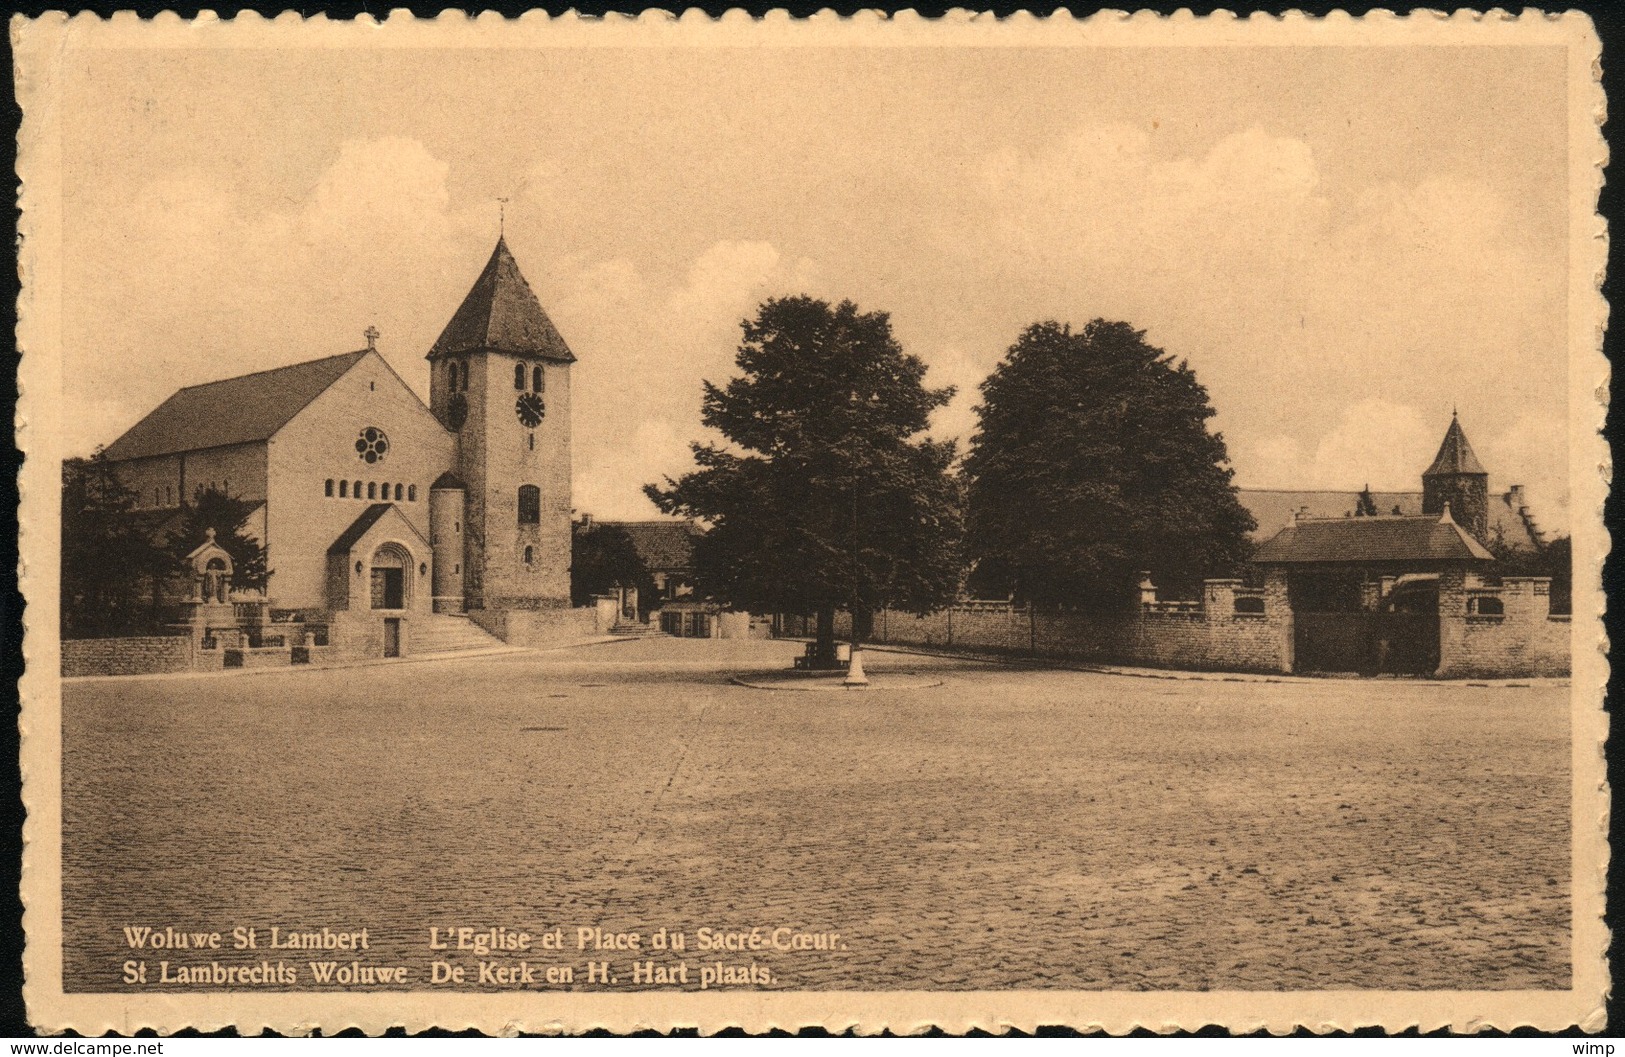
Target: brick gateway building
(1413,591)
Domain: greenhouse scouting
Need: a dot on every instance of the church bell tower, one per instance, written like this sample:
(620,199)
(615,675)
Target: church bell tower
(500,380)
(1458,478)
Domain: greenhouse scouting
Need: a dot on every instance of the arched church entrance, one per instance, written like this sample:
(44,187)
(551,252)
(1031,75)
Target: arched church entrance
(391,577)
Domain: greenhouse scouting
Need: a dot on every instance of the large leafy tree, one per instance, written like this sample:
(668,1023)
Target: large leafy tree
(212,508)
(110,564)
(1093,461)
(828,495)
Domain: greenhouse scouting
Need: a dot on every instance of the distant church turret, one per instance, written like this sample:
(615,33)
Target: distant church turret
(1457,478)
(500,380)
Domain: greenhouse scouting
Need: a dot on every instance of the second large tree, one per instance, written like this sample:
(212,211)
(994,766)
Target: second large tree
(829,497)
(1093,461)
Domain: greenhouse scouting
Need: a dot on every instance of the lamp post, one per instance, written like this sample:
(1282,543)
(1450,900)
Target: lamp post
(854,665)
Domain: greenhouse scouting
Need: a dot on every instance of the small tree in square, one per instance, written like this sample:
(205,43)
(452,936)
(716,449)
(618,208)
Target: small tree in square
(828,496)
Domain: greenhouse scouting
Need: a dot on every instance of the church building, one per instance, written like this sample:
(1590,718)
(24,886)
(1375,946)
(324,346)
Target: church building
(374,508)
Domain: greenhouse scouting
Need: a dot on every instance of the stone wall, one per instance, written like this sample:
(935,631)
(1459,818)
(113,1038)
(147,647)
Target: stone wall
(539,627)
(1524,639)
(141,655)
(1210,634)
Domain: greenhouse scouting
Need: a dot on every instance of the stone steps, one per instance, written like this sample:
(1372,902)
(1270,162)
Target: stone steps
(449,633)
(635,630)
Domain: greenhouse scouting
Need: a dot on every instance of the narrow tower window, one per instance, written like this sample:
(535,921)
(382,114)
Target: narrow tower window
(536,378)
(328,488)
(528,555)
(518,376)
(411,493)
(530,505)
(399,491)
(344,489)
(357,492)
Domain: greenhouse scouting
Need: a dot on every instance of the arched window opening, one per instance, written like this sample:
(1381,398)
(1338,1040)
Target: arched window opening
(518,376)
(536,378)
(530,505)
(411,493)
(328,488)
(528,555)
(399,491)
(344,489)
(372,489)
(357,492)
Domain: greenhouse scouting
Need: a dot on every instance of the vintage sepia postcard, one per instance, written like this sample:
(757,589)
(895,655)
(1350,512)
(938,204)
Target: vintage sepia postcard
(873,523)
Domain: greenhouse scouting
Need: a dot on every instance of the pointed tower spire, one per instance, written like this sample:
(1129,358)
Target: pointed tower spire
(1455,454)
(1456,486)
(501,314)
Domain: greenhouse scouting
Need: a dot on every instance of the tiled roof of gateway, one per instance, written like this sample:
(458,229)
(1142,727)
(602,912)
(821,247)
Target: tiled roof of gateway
(501,313)
(1371,539)
(239,410)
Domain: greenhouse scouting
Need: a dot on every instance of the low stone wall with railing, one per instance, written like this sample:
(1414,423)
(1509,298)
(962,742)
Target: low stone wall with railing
(1231,628)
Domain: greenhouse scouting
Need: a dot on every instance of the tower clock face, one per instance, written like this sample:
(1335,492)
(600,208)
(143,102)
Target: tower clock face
(529,408)
(457,411)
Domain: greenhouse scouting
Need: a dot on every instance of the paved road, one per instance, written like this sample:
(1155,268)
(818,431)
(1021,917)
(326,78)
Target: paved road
(1009,829)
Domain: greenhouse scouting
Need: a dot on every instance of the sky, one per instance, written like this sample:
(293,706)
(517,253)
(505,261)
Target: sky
(1345,244)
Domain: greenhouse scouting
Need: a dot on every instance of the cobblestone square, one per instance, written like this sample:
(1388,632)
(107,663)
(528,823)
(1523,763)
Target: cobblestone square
(1011,828)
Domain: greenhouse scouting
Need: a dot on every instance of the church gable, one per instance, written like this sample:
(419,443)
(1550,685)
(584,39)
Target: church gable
(366,439)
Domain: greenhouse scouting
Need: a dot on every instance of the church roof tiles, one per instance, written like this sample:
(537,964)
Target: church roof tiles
(501,313)
(241,410)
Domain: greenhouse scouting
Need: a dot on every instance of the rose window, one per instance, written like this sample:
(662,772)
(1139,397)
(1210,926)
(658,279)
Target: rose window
(372,445)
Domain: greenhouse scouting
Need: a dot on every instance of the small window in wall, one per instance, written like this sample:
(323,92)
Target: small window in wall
(399,491)
(328,488)
(529,554)
(530,505)
(532,442)
(357,492)
(169,495)
(518,376)
(157,497)
(1486,606)
(411,493)
(536,378)
(457,567)
(344,489)
(372,489)
(457,526)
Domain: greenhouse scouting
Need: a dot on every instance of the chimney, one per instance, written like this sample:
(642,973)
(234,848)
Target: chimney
(1515,499)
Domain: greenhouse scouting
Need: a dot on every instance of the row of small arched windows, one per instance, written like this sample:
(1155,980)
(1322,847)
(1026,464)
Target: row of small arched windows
(371,490)
(521,372)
